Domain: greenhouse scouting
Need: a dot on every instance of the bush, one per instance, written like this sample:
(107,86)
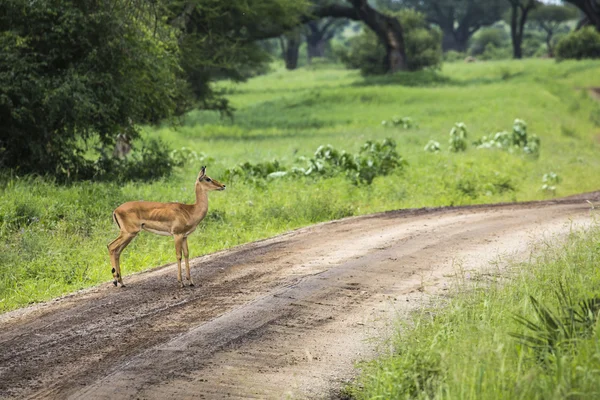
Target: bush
(423,46)
(584,43)
(517,139)
(374,159)
(58,97)
(458,138)
(488,38)
(453,55)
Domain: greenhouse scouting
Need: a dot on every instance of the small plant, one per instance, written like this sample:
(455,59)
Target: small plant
(256,171)
(553,330)
(550,181)
(517,139)
(432,147)
(458,137)
(404,122)
(374,159)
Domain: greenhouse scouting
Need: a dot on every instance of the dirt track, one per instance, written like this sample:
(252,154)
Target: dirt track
(283,317)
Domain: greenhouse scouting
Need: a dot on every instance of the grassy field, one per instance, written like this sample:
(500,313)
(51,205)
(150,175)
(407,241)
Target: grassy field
(53,238)
(469,347)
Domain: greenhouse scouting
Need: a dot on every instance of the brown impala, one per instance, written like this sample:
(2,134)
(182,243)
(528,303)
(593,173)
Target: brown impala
(168,219)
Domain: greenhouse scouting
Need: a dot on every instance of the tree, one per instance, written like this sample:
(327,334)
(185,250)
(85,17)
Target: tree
(319,33)
(387,28)
(423,46)
(290,48)
(458,19)
(550,18)
(519,12)
(591,9)
(221,39)
(75,71)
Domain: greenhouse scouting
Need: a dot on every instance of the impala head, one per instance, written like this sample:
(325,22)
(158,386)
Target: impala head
(207,183)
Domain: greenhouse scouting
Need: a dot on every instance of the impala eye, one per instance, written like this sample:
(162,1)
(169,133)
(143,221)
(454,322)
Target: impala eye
(208,180)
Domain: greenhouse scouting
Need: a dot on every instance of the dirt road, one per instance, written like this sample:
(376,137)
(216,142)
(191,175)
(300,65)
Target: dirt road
(281,318)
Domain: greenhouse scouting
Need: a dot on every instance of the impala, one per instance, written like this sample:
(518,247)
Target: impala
(168,219)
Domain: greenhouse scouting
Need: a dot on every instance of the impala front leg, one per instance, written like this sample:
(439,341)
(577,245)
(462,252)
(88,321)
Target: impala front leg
(186,254)
(179,239)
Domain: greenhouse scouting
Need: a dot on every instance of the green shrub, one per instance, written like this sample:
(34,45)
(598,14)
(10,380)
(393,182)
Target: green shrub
(518,138)
(458,137)
(404,122)
(432,147)
(487,39)
(453,55)
(423,46)
(583,43)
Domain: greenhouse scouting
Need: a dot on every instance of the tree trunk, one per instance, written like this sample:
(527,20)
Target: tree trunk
(591,9)
(389,31)
(315,48)
(514,32)
(291,52)
(549,35)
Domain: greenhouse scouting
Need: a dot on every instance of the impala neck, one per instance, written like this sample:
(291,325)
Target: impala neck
(201,205)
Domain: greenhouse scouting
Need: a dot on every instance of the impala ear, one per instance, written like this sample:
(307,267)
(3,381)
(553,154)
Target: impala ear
(202,173)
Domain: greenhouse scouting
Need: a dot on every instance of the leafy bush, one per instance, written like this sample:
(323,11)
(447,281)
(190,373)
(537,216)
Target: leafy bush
(552,331)
(423,46)
(123,71)
(374,159)
(458,137)
(151,161)
(511,141)
(256,171)
(405,122)
(550,180)
(583,43)
(453,55)
(487,39)
(432,147)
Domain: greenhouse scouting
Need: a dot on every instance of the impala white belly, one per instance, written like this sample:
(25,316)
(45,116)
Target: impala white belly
(162,233)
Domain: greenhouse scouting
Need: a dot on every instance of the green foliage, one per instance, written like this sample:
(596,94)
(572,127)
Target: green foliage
(432,147)
(255,171)
(422,44)
(517,139)
(552,333)
(122,72)
(550,180)
(453,55)
(374,159)
(458,138)
(580,44)
(404,122)
(487,39)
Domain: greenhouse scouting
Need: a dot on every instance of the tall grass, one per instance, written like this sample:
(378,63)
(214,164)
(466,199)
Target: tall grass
(472,347)
(53,238)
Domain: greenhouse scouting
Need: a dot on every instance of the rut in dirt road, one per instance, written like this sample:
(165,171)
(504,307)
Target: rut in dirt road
(287,316)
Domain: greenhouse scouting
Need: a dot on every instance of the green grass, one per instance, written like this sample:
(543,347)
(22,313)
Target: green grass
(53,238)
(462,348)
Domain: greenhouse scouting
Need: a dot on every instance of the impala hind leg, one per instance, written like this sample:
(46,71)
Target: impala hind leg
(186,254)
(179,239)
(114,249)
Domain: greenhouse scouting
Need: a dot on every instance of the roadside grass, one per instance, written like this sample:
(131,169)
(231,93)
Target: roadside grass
(463,347)
(53,238)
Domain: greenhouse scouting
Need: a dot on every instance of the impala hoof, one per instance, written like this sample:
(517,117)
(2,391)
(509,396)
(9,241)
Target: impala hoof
(192,284)
(115,282)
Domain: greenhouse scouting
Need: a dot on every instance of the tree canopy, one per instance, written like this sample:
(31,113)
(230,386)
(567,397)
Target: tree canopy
(458,19)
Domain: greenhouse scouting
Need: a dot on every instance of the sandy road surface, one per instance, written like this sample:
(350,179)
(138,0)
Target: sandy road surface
(280,318)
